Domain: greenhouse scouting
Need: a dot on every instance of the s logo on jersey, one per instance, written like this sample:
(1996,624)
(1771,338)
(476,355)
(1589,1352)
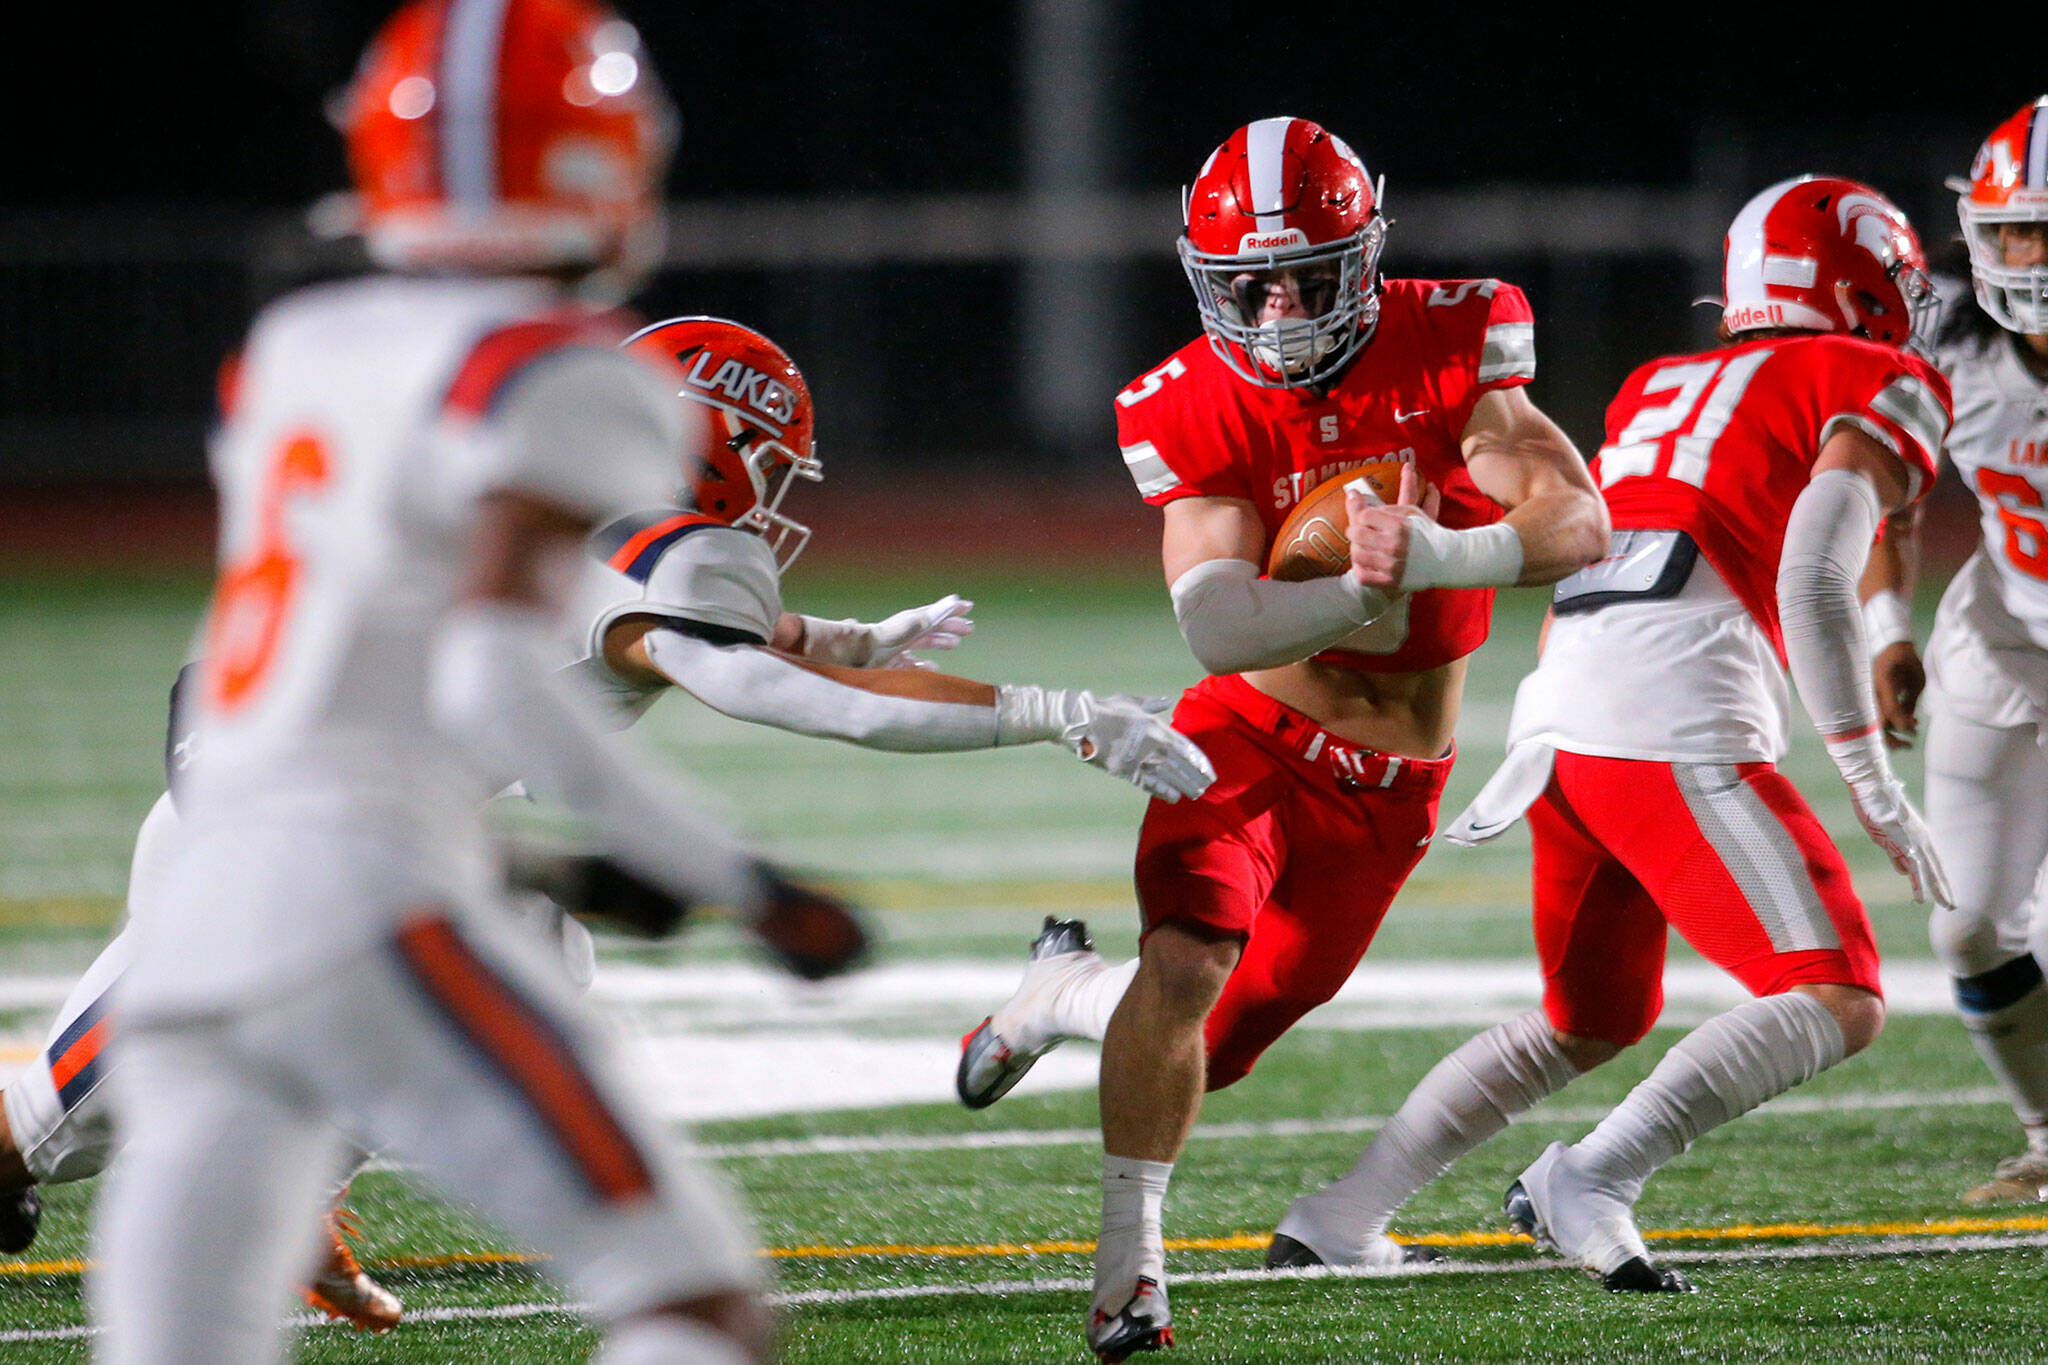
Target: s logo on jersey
(756,395)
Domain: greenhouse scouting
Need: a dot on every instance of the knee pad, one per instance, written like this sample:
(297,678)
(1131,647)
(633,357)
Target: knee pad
(1967,944)
(2000,988)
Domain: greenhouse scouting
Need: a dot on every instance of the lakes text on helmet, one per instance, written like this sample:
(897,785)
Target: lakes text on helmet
(757,437)
(1823,254)
(1283,241)
(499,136)
(2008,187)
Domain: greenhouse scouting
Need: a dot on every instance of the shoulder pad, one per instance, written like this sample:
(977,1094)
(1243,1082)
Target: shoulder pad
(710,574)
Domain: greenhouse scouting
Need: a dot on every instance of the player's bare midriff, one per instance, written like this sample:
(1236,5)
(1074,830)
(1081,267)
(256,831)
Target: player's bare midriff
(1413,715)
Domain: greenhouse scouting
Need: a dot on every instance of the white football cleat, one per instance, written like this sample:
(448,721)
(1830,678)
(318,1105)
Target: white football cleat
(1570,1213)
(997,1052)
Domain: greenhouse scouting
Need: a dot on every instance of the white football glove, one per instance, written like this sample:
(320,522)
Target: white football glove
(1125,736)
(888,643)
(1889,818)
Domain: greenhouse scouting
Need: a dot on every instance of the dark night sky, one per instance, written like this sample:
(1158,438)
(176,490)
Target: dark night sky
(219,103)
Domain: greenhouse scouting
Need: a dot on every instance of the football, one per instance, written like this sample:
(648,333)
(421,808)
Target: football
(1312,542)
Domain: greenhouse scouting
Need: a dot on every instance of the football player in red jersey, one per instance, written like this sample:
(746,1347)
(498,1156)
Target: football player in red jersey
(1746,485)
(1331,703)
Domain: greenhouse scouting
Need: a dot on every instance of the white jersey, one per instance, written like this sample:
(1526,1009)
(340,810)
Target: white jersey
(1989,652)
(684,569)
(369,417)
(1689,678)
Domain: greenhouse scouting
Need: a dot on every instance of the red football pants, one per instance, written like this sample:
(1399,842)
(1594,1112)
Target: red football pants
(1297,850)
(1727,854)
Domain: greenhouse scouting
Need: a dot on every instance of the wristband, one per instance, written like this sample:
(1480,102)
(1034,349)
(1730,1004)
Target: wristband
(1482,557)
(1032,715)
(1887,621)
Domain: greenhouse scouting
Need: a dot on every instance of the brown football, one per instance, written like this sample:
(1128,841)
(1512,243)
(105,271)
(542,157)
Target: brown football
(1312,542)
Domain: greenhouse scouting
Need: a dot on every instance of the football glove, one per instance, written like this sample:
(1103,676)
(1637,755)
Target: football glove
(890,643)
(811,933)
(595,886)
(1888,816)
(1125,736)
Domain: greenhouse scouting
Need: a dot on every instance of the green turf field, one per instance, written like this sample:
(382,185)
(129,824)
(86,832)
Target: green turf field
(905,1229)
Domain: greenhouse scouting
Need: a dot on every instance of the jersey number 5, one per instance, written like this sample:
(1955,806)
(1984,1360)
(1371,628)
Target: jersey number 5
(257,589)
(1151,383)
(1641,446)
(2026,527)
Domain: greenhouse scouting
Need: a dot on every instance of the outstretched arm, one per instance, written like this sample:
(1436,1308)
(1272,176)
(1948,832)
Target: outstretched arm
(915,710)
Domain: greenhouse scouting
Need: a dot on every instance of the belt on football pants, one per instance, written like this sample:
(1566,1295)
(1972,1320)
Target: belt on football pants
(1355,767)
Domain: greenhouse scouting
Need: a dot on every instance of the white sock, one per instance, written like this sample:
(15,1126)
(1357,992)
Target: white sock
(668,1339)
(1080,1007)
(1133,1227)
(1724,1068)
(1465,1099)
(2012,1038)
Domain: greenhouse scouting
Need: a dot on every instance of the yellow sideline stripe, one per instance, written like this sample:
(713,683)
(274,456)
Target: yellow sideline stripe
(1242,1241)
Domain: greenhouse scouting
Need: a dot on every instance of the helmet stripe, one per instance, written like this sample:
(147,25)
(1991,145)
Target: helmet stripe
(472,36)
(1265,142)
(1744,280)
(2036,176)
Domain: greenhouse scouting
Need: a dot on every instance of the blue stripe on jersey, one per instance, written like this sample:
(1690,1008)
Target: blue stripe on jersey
(83,1079)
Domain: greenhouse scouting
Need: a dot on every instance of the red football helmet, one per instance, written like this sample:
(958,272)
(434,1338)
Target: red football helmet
(1821,254)
(2008,184)
(757,440)
(498,135)
(1284,212)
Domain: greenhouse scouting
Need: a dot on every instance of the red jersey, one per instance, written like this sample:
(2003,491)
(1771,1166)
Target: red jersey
(1720,445)
(1193,428)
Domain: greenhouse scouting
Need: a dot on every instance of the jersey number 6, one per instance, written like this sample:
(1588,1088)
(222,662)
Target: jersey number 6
(2026,536)
(257,589)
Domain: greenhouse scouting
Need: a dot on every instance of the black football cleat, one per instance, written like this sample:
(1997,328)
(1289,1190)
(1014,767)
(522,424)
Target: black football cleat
(1638,1276)
(1521,1212)
(1633,1276)
(1287,1253)
(1284,1253)
(21,1217)
(1143,1324)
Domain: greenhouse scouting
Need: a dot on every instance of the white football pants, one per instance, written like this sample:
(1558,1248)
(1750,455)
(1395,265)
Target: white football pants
(1987,805)
(457,1049)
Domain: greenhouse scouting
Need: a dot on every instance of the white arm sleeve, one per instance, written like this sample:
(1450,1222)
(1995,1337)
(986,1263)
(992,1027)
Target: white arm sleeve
(1827,540)
(1235,620)
(748,683)
(493,695)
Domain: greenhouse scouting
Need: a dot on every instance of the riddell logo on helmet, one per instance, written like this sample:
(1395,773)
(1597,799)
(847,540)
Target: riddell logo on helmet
(1754,315)
(742,385)
(1272,241)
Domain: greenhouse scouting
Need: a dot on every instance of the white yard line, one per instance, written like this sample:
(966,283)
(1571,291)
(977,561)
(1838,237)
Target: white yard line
(1872,1249)
(859,1144)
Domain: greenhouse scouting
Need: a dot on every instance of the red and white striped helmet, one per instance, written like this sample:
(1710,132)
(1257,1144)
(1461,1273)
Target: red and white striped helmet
(503,135)
(1285,204)
(2008,184)
(758,441)
(1822,254)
